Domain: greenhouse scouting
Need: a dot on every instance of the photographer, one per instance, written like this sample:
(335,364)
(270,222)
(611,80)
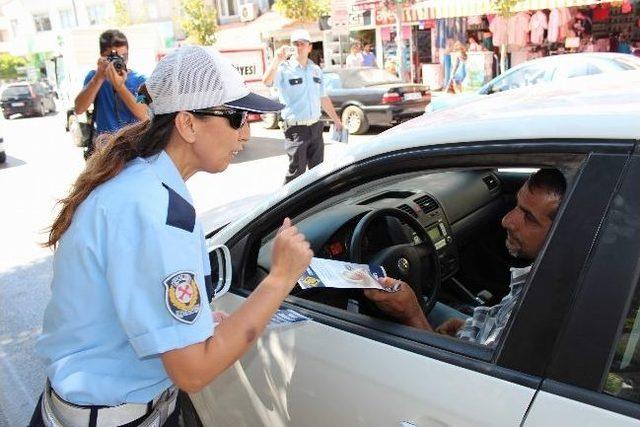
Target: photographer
(112,88)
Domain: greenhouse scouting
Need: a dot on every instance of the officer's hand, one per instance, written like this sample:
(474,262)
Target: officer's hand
(450,327)
(291,254)
(281,52)
(101,67)
(115,77)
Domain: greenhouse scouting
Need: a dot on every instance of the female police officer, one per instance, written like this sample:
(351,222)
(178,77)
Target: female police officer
(129,317)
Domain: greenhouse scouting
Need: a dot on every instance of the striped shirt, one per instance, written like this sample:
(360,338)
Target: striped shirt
(487,323)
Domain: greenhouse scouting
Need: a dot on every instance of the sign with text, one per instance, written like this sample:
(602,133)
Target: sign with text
(250,63)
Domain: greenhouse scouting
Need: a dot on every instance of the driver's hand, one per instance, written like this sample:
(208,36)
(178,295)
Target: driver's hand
(450,327)
(401,305)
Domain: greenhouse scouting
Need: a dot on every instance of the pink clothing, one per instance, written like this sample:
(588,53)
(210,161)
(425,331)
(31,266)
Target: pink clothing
(555,20)
(500,31)
(566,18)
(537,25)
(518,28)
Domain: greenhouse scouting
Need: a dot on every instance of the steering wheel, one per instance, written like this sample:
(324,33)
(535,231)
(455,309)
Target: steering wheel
(414,263)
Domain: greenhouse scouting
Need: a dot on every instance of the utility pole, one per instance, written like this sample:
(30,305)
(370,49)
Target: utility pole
(400,40)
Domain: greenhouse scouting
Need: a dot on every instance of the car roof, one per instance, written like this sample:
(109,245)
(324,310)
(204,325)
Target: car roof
(595,107)
(576,58)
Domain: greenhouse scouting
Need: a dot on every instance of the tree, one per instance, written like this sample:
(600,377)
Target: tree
(121,17)
(10,64)
(199,22)
(303,10)
(504,8)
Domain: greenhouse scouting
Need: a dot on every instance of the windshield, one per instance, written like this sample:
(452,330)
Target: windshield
(16,92)
(369,77)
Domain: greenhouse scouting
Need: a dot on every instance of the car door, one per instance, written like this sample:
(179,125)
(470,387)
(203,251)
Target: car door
(595,379)
(340,369)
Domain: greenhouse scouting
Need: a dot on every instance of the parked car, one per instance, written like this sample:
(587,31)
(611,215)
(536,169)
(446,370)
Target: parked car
(543,70)
(370,96)
(3,153)
(569,355)
(28,99)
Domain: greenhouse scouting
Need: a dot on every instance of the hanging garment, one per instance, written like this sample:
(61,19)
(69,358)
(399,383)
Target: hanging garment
(555,20)
(565,22)
(537,25)
(499,29)
(518,29)
(626,6)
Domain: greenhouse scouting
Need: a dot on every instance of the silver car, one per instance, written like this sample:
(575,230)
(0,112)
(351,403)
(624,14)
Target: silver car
(543,70)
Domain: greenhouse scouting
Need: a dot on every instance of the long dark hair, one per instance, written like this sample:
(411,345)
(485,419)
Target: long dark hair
(141,139)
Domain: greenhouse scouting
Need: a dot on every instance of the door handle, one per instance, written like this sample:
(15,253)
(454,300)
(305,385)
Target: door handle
(407,424)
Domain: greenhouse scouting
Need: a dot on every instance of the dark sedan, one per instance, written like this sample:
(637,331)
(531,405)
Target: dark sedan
(28,99)
(370,96)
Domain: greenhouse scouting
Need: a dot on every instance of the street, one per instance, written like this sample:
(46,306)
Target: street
(42,164)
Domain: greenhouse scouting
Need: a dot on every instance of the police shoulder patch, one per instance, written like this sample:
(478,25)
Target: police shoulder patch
(182,296)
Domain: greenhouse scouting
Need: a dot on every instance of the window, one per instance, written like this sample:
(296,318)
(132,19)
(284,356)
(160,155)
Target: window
(67,20)
(151,8)
(42,22)
(623,380)
(525,76)
(97,14)
(332,81)
(227,7)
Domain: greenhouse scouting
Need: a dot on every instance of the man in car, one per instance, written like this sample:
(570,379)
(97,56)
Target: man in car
(112,87)
(300,85)
(527,226)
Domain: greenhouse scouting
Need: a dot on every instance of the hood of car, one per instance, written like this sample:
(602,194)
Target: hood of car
(588,109)
(447,100)
(219,217)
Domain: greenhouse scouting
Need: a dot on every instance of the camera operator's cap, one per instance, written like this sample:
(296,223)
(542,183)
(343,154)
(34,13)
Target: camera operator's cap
(196,77)
(298,35)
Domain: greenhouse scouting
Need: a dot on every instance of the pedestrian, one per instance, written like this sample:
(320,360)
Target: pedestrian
(355,58)
(458,69)
(368,57)
(112,88)
(129,319)
(301,89)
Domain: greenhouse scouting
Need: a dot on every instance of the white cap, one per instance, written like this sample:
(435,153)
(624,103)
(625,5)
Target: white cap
(196,77)
(300,35)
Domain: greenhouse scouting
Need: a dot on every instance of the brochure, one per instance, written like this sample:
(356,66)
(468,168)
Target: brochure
(327,273)
(284,317)
(339,136)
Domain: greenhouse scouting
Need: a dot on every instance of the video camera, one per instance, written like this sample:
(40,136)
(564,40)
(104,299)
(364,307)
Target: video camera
(118,61)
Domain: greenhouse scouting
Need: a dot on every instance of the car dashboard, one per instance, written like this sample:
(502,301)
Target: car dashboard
(451,206)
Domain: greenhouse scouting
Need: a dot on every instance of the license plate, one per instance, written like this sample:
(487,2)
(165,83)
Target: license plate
(17,104)
(411,96)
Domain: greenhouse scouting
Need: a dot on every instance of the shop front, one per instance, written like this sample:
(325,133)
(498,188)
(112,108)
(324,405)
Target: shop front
(536,28)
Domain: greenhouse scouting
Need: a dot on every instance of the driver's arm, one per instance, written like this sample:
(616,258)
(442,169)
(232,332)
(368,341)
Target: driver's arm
(402,305)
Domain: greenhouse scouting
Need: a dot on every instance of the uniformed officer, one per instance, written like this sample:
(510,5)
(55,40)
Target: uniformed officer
(301,89)
(129,318)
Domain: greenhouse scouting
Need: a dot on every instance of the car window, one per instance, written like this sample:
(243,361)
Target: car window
(16,91)
(39,89)
(368,77)
(525,76)
(623,378)
(577,70)
(332,81)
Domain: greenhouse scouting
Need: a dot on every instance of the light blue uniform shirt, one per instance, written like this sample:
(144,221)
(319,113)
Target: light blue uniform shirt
(129,283)
(300,90)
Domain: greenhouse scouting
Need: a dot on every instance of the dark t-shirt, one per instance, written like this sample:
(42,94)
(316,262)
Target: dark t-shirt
(113,113)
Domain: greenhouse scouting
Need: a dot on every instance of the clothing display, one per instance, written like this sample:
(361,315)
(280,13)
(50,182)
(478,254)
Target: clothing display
(537,25)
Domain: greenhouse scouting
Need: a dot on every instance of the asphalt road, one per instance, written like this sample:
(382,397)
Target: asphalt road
(41,166)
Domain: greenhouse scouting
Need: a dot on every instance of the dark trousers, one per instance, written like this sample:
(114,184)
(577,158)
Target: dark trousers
(37,421)
(305,147)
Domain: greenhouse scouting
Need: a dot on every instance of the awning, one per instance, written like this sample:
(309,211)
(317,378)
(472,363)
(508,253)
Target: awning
(459,8)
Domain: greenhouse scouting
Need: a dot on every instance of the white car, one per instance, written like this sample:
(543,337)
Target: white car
(570,355)
(543,70)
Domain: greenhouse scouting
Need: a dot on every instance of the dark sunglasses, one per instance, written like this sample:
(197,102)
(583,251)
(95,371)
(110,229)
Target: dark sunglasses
(236,118)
